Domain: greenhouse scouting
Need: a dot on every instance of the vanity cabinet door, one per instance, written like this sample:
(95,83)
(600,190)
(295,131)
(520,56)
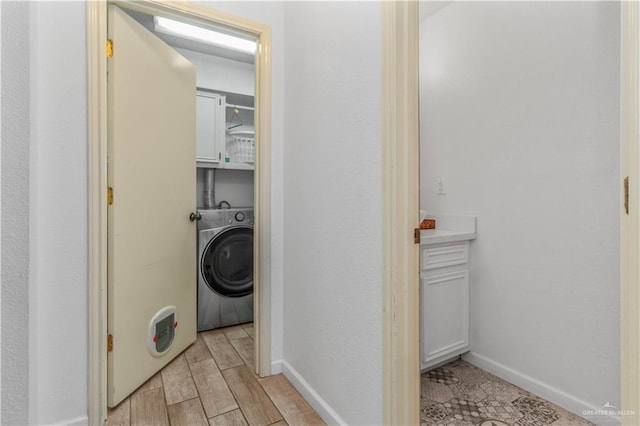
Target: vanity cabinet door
(210,119)
(445,315)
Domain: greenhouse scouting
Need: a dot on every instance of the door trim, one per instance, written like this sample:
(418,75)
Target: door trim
(400,144)
(97,182)
(630,224)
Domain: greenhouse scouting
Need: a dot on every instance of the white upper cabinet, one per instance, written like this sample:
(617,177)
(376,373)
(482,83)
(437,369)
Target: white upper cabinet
(210,121)
(225,131)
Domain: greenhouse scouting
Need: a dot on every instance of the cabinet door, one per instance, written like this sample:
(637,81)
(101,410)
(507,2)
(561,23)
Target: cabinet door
(210,128)
(445,315)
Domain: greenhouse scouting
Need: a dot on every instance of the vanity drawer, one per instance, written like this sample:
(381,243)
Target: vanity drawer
(441,255)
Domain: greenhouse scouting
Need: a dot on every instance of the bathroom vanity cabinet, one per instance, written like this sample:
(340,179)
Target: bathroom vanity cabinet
(444,294)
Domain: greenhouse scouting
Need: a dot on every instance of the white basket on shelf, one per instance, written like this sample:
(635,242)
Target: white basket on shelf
(242,148)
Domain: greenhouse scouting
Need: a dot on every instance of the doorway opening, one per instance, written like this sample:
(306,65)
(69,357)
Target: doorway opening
(488,118)
(233,156)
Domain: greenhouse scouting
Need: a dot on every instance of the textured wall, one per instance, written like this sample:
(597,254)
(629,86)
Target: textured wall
(333,203)
(59,212)
(14,235)
(520,115)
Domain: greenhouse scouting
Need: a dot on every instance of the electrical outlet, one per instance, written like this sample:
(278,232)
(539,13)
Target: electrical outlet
(440,186)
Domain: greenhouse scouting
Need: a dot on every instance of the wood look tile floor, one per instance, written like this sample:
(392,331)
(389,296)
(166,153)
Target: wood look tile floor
(212,383)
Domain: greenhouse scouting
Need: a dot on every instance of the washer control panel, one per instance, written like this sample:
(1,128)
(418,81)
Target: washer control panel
(239,216)
(216,218)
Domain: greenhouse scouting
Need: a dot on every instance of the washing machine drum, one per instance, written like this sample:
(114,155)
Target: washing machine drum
(227,262)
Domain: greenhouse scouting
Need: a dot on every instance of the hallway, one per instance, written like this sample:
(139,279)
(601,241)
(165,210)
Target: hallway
(212,383)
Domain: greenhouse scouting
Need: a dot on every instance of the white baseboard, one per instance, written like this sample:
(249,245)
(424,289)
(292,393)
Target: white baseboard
(276,367)
(313,398)
(528,383)
(76,421)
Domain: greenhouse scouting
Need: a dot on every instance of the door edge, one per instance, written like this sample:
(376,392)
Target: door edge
(400,145)
(630,223)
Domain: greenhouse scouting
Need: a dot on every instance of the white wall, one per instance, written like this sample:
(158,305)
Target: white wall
(14,210)
(520,115)
(233,186)
(58,320)
(333,204)
(222,74)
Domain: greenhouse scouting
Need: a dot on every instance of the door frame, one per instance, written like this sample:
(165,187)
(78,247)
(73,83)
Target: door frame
(630,223)
(97,184)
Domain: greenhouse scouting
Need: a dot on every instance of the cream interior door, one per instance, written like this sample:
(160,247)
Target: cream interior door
(151,240)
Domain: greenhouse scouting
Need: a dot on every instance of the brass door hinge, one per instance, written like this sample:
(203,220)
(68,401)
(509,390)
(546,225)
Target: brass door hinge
(109,48)
(109,342)
(626,194)
(109,195)
(416,236)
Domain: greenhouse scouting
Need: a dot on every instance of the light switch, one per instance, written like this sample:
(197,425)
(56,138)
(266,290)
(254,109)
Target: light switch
(440,186)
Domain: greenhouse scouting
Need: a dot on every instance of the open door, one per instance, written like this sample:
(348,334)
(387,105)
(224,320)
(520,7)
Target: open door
(151,303)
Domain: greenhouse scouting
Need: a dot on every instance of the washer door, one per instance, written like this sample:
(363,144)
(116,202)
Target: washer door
(227,262)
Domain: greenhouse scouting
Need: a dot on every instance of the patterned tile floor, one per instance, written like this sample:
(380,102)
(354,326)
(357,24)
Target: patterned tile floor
(460,394)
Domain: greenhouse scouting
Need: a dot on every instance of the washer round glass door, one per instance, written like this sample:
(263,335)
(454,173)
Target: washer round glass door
(227,262)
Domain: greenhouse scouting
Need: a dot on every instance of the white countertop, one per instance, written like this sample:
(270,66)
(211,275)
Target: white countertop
(434,236)
(449,229)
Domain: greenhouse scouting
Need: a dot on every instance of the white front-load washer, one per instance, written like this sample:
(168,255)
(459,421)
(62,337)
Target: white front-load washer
(225,267)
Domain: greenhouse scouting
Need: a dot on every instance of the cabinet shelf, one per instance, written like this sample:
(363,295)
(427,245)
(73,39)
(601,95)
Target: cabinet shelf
(228,166)
(241,107)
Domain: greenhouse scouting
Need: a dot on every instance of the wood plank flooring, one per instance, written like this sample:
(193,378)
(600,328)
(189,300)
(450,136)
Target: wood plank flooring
(212,384)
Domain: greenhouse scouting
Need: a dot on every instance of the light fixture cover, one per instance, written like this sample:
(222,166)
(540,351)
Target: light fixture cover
(169,26)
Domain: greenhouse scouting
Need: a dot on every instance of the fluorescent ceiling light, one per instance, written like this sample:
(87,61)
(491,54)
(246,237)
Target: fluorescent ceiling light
(169,26)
